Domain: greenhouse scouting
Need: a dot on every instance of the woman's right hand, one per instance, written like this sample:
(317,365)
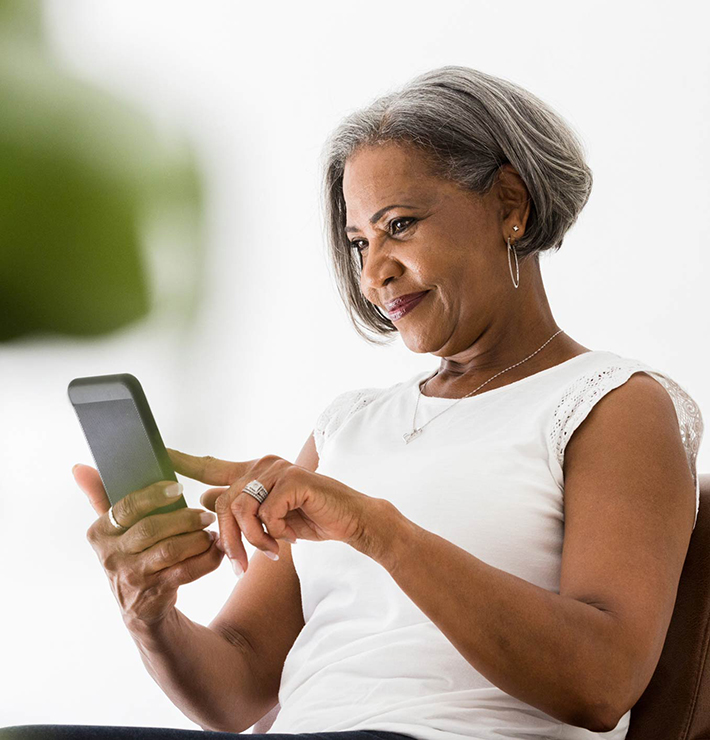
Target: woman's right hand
(147,563)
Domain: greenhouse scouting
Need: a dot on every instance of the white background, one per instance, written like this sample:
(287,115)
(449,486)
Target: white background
(257,87)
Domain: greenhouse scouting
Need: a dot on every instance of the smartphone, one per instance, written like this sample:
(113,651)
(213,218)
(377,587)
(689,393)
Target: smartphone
(122,434)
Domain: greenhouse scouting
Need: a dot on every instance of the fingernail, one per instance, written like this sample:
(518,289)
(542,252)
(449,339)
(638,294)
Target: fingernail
(207,517)
(174,489)
(236,567)
(270,554)
(75,467)
(288,539)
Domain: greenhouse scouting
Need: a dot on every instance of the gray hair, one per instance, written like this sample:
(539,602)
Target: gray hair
(467,124)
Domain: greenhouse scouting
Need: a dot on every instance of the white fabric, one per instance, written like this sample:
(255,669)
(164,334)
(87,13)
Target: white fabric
(487,475)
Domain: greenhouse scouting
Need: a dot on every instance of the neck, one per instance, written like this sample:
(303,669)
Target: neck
(513,335)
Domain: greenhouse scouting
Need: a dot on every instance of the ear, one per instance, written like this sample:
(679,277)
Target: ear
(514,202)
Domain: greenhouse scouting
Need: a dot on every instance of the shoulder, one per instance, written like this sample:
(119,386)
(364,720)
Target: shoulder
(640,393)
(639,411)
(332,417)
(348,403)
(344,404)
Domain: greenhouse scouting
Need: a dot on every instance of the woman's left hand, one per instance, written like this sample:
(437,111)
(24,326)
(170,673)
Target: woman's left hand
(300,503)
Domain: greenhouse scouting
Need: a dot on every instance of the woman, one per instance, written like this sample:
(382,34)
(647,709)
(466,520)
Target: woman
(477,554)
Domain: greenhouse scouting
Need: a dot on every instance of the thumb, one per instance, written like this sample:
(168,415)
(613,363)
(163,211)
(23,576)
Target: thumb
(89,480)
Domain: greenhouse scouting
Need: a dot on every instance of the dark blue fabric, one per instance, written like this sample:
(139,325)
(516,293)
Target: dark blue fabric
(109,732)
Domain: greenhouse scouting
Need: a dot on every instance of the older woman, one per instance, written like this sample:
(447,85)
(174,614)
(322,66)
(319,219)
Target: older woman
(514,585)
(487,550)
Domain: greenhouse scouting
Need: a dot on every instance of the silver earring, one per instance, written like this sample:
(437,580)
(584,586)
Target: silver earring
(510,265)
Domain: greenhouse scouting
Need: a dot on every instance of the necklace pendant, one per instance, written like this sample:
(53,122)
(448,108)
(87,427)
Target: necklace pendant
(409,436)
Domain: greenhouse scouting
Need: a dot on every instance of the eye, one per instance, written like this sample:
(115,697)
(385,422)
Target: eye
(395,220)
(409,220)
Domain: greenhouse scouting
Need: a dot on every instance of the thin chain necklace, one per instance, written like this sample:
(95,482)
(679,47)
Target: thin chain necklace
(409,436)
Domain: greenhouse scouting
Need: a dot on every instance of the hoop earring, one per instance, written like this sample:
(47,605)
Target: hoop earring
(510,265)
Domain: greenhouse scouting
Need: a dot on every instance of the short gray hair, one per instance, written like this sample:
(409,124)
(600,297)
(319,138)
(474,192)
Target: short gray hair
(467,124)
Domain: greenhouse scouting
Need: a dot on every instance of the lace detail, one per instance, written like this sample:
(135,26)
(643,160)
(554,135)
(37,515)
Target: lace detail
(689,418)
(581,395)
(339,409)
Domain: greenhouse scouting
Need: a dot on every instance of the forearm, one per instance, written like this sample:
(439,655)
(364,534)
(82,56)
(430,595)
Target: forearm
(547,650)
(207,677)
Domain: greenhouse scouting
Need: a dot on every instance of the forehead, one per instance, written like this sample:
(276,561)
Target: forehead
(387,168)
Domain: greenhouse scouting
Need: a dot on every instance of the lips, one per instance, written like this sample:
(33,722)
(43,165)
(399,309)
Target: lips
(403,309)
(402,301)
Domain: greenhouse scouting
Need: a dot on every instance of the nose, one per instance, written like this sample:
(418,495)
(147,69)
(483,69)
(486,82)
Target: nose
(378,269)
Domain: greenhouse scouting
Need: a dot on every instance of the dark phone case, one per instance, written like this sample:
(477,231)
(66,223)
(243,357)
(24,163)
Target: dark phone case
(122,434)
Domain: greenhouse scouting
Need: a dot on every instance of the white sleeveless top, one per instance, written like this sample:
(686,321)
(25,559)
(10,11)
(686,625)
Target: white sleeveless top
(368,658)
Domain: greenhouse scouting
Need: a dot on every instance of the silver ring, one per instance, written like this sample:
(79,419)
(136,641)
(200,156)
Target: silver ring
(113,521)
(257,490)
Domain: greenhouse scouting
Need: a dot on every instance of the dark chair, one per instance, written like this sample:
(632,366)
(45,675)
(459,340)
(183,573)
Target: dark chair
(676,702)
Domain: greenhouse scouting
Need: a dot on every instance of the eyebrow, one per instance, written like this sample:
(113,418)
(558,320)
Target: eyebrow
(377,216)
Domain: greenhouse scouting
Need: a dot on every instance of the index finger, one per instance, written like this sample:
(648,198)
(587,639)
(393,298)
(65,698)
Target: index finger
(138,504)
(206,469)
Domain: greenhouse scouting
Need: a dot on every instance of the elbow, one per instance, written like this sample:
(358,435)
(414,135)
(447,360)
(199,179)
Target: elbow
(595,714)
(603,726)
(602,717)
(600,726)
(608,696)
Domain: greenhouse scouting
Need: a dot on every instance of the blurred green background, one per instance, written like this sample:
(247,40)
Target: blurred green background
(82,177)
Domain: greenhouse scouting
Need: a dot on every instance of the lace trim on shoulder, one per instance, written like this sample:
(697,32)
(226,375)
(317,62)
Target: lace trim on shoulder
(584,392)
(689,418)
(338,410)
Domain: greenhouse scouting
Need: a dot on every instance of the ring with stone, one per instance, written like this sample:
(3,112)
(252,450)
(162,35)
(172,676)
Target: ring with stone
(257,490)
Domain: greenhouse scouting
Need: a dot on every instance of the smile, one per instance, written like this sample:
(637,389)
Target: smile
(403,310)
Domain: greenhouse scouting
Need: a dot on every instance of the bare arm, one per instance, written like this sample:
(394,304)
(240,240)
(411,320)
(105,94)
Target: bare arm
(208,678)
(226,677)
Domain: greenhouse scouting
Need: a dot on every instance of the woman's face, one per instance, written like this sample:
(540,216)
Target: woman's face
(438,237)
